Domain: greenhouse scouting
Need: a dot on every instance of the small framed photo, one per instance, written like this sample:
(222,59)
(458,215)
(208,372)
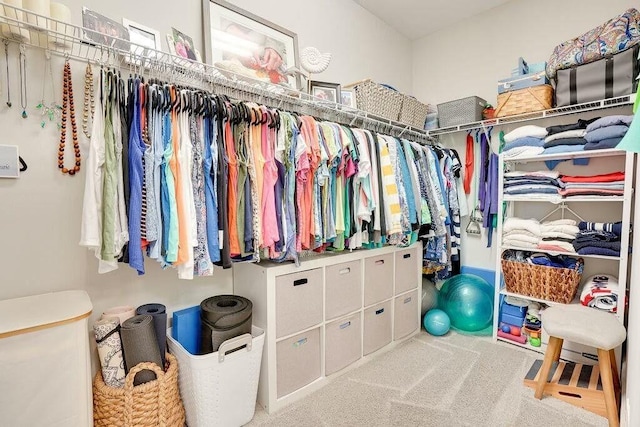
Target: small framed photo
(325,91)
(348,98)
(145,42)
(103,30)
(181,45)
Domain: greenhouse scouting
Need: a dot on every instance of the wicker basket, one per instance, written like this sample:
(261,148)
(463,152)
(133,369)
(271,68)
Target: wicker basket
(413,112)
(539,281)
(152,404)
(377,99)
(461,111)
(523,101)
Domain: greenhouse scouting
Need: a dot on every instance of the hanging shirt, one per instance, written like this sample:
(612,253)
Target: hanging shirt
(210,188)
(136,177)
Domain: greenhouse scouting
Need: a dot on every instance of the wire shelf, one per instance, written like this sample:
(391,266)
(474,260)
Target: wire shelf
(71,41)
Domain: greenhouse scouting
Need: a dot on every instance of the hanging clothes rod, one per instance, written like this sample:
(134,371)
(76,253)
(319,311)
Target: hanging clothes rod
(78,43)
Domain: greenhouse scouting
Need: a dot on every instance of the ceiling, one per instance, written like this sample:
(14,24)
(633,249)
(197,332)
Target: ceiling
(418,18)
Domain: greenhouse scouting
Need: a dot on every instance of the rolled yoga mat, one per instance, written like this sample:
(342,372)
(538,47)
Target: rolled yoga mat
(107,333)
(121,313)
(140,345)
(159,313)
(223,317)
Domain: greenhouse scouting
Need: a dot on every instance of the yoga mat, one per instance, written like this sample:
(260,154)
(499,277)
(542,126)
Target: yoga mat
(107,333)
(186,328)
(121,313)
(159,313)
(140,345)
(223,317)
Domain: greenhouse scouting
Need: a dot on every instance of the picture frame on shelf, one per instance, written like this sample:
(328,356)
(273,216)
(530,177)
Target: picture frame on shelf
(248,45)
(348,97)
(182,48)
(325,91)
(145,42)
(102,30)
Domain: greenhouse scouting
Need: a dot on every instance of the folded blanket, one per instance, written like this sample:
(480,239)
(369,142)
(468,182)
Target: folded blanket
(577,133)
(610,121)
(557,245)
(601,292)
(565,141)
(527,141)
(607,177)
(611,227)
(514,224)
(522,152)
(600,134)
(598,251)
(603,145)
(589,192)
(523,131)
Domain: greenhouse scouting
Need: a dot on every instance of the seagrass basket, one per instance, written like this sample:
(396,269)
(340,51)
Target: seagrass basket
(153,404)
(539,281)
(413,112)
(528,100)
(377,99)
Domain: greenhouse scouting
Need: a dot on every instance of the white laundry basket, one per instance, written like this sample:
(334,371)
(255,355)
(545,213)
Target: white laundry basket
(220,389)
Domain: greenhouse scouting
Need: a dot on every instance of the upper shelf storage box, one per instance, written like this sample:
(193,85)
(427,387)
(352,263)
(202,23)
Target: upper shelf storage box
(461,111)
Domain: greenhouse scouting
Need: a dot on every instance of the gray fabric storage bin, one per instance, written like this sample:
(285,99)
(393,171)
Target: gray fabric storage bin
(460,111)
(603,79)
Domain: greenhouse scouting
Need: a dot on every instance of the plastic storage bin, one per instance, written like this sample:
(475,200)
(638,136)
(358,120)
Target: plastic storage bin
(461,111)
(220,388)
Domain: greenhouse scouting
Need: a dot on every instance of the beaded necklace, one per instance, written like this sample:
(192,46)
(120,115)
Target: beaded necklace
(68,109)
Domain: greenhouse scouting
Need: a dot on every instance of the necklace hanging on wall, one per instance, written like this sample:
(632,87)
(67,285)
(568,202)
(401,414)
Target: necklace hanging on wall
(50,110)
(89,102)
(6,57)
(68,111)
(23,81)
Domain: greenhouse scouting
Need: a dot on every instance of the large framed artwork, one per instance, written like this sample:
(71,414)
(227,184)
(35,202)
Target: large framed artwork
(241,42)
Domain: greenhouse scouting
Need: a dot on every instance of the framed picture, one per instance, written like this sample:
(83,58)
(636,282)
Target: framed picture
(103,30)
(348,97)
(325,91)
(182,45)
(145,41)
(241,42)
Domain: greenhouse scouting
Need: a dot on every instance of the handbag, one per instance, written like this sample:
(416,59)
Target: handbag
(615,35)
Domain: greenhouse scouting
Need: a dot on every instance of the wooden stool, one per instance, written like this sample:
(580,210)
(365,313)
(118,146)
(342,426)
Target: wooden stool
(591,327)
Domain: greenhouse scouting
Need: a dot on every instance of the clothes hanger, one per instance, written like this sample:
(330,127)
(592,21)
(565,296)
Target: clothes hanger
(562,207)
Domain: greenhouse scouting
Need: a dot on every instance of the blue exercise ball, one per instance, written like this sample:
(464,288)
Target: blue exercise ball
(436,322)
(468,300)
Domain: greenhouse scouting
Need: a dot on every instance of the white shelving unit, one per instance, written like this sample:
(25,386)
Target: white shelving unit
(591,208)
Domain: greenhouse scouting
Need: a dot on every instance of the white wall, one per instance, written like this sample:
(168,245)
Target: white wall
(40,212)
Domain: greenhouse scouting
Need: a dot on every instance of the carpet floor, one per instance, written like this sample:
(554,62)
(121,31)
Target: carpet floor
(455,380)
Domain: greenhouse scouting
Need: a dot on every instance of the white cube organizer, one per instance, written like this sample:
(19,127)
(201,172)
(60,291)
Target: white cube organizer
(219,389)
(328,314)
(45,368)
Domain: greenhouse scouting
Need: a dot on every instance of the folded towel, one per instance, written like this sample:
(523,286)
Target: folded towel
(523,131)
(527,141)
(611,227)
(577,133)
(603,145)
(565,141)
(610,121)
(601,292)
(592,250)
(607,177)
(617,131)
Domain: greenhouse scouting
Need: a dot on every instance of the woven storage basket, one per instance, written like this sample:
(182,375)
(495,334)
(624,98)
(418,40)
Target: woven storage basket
(527,100)
(461,111)
(152,404)
(377,99)
(539,281)
(413,112)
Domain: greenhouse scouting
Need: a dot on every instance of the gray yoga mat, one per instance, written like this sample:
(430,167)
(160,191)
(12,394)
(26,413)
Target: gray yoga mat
(140,345)
(223,317)
(159,313)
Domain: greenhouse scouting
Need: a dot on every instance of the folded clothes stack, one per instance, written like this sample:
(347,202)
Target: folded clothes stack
(521,233)
(558,235)
(597,238)
(606,132)
(567,139)
(611,184)
(524,141)
(532,183)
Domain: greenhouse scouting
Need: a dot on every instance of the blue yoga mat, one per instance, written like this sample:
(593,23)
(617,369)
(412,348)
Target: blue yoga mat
(186,328)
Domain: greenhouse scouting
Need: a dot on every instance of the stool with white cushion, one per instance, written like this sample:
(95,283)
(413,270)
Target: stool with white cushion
(590,327)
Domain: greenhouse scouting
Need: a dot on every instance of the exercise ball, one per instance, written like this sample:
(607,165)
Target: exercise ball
(468,300)
(429,296)
(436,322)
